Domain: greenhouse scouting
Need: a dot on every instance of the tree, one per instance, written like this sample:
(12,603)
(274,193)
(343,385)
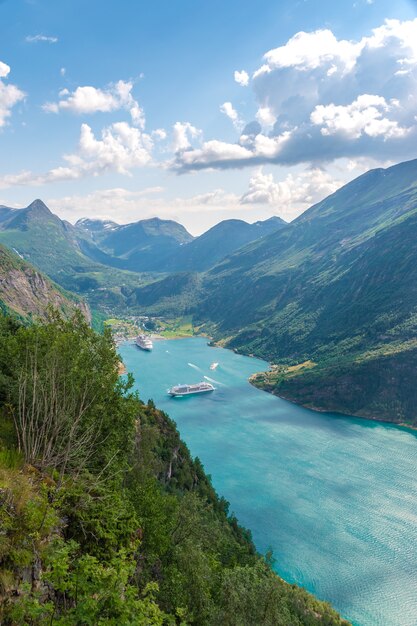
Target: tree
(66,402)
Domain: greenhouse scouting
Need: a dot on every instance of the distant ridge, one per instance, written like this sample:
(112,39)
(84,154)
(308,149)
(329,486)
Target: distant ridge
(330,297)
(220,241)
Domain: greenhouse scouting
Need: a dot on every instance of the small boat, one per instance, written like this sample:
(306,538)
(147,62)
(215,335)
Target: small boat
(213,366)
(144,342)
(189,390)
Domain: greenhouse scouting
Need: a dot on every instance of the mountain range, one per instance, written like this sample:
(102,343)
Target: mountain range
(330,299)
(80,256)
(335,289)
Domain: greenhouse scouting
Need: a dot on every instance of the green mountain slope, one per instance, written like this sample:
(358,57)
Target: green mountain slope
(26,293)
(165,246)
(340,283)
(140,246)
(105,516)
(337,285)
(53,246)
(218,242)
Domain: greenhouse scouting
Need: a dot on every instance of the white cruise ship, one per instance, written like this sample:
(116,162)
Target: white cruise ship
(189,390)
(144,342)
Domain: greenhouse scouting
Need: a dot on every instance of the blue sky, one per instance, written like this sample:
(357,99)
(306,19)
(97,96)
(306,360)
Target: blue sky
(200,111)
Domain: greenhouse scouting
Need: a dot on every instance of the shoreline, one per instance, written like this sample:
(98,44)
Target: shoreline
(217,344)
(402,425)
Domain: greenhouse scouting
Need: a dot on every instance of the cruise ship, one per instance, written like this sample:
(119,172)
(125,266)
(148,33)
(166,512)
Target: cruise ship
(144,342)
(189,390)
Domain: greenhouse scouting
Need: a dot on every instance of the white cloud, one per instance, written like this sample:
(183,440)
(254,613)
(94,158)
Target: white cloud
(10,95)
(320,98)
(242,78)
(41,38)
(265,116)
(88,100)
(227,109)
(159,134)
(182,133)
(4,70)
(265,196)
(363,116)
(211,154)
(220,154)
(308,51)
(120,149)
(292,195)
(123,206)
(63,71)
(318,70)
(232,114)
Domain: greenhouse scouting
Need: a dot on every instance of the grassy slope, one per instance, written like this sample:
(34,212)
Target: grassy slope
(219,241)
(337,283)
(51,245)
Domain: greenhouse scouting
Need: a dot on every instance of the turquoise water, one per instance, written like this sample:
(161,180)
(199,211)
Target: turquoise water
(334,497)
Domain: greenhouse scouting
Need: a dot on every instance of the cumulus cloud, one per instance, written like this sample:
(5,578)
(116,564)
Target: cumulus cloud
(320,98)
(228,109)
(182,134)
(220,154)
(241,78)
(265,116)
(10,95)
(41,38)
(159,134)
(292,195)
(363,116)
(88,100)
(308,51)
(120,148)
(265,197)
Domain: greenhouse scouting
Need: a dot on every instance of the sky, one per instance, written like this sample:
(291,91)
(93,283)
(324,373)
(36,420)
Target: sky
(198,110)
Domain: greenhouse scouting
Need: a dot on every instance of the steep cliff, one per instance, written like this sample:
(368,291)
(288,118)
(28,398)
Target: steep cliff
(27,293)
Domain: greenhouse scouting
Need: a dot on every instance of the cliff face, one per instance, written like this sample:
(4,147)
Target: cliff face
(28,293)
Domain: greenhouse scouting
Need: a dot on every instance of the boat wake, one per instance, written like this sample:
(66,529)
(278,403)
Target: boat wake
(216,382)
(195,367)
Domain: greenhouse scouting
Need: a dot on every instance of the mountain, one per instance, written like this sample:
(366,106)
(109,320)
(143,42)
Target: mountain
(218,242)
(26,293)
(309,280)
(44,240)
(53,245)
(337,288)
(141,246)
(164,245)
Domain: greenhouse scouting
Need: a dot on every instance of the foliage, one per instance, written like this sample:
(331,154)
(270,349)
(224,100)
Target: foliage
(130,531)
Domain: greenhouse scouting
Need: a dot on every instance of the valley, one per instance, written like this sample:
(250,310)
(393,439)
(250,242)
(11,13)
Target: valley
(208,313)
(337,286)
(334,493)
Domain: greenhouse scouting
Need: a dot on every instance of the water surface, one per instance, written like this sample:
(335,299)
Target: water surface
(334,497)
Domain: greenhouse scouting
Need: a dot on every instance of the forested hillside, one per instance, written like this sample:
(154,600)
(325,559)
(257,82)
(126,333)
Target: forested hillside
(339,283)
(105,517)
